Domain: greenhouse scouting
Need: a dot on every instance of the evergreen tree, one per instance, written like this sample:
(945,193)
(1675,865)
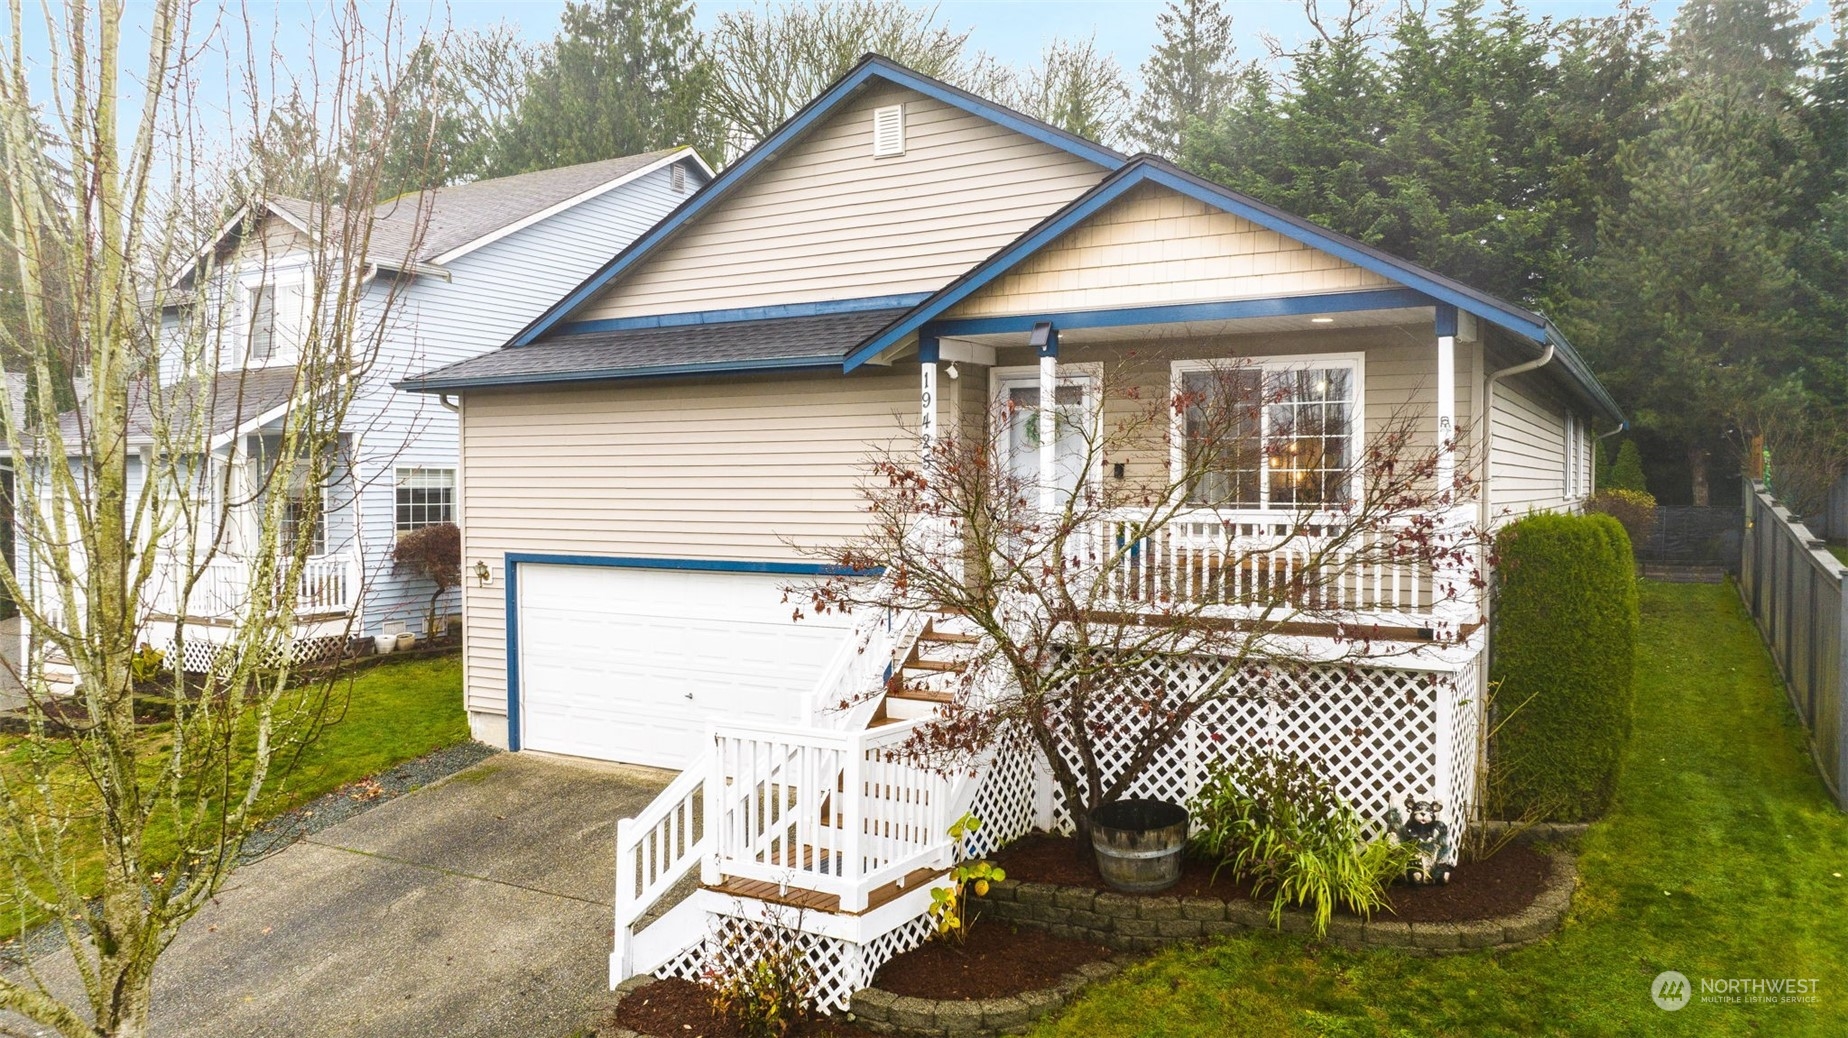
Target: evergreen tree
(623,77)
(445,120)
(1190,79)
(1691,321)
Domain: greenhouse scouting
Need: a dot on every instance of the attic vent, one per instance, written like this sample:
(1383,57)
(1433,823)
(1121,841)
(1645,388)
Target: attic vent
(677,175)
(888,131)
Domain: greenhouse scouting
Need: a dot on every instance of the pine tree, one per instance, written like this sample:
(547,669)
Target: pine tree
(1079,89)
(624,77)
(1190,79)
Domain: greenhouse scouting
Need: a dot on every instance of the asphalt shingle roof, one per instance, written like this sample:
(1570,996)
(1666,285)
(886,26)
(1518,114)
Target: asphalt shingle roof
(780,342)
(222,404)
(468,212)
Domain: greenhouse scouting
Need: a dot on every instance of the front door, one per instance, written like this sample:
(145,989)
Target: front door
(1075,426)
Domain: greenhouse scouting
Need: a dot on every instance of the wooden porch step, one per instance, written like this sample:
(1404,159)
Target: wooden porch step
(940,666)
(951,637)
(815,901)
(922,694)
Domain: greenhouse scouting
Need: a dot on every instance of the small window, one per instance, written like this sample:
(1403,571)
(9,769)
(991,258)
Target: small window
(888,131)
(262,331)
(426,497)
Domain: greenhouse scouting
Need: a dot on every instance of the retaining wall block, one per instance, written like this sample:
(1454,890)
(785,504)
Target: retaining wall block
(1159,908)
(1005,1014)
(1202,908)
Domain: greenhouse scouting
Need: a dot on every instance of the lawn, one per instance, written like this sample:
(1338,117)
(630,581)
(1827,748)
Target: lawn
(393,712)
(1723,858)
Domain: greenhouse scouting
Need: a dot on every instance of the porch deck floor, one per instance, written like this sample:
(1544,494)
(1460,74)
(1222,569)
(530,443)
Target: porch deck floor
(815,901)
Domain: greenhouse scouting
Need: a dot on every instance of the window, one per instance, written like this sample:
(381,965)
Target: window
(303,514)
(426,497)
(1270,434)
(262,331)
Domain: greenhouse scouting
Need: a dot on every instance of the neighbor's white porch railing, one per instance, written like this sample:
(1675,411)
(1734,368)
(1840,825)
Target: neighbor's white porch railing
(222,590)
(1239,560)
(835,812)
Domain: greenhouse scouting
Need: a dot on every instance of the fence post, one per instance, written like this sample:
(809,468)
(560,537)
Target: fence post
(1841,697)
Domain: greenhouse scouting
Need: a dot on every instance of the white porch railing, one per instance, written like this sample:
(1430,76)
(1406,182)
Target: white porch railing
(222,590)
(1241,560)
(847,694)
(655,850)
(835,812)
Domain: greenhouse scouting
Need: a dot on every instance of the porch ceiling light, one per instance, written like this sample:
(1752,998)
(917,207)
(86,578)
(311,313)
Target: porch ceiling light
(1321,320)
(1041,335)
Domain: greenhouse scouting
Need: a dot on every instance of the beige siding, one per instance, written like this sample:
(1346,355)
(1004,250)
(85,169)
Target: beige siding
(829,221)
(685,470)
(1527,460)
(1155,246)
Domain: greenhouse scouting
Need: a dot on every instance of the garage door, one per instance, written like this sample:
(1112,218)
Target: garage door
(631,664)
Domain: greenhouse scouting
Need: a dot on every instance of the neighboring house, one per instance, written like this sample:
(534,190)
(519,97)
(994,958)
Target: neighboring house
(470,265)
(642,462)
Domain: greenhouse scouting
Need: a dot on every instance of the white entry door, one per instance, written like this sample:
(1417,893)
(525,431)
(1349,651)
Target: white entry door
(1017,401)
(630,665)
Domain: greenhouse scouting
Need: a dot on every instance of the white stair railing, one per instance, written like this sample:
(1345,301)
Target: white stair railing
(823,810)
(847,694)
(654,851)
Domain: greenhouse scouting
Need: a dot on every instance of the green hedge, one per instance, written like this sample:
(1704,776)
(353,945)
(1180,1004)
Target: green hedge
(1564,658)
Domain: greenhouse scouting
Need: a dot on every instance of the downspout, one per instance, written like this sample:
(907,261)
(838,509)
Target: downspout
(1600,438)
(1488,415)
(443,398)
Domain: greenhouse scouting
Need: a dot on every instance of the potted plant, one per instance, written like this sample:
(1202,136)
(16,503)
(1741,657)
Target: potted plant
(1139,843)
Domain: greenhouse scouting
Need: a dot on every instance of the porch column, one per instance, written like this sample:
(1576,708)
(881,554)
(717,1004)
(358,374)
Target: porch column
(928,357)
(1048,419)
(1446,398)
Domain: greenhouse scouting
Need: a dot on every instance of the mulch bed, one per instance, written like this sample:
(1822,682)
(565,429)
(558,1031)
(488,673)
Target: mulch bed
(682,1009)
(993,961)
(1502,885)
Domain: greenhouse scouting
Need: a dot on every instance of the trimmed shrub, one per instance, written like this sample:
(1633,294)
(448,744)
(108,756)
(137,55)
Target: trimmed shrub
(1564,659)
(1626,472)
(1634,510)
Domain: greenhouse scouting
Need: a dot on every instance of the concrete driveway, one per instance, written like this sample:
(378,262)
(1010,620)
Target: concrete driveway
(479,905)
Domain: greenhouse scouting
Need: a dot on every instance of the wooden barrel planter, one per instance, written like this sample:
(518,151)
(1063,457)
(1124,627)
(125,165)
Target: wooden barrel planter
(1139,844)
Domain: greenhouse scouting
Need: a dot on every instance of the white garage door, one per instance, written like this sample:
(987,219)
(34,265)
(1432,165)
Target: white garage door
(632,664)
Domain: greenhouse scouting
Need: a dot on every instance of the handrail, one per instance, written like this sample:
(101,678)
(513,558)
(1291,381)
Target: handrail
(657,849)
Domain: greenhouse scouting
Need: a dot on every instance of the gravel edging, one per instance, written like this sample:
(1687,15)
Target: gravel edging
(1142,924)
(291,826)
(357,798)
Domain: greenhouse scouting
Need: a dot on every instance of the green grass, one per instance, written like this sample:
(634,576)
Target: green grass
(1722,857)
(1840,551)
(390,713)
(397,711)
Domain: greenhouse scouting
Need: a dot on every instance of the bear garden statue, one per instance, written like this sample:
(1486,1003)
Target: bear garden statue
(1422,828)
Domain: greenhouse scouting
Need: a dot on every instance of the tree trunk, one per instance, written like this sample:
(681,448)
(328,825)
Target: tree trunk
(1697,475)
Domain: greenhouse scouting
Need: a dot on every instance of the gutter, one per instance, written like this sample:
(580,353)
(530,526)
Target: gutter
(1600,438)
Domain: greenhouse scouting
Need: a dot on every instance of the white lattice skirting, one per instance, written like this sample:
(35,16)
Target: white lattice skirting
(839,967)
(1380,734)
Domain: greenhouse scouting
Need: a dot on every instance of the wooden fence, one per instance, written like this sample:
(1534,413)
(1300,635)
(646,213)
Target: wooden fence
(1795,590)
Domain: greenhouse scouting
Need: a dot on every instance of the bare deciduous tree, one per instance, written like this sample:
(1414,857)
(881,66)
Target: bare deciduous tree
(129,797)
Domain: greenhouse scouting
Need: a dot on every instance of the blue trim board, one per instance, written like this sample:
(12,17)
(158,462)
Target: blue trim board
(513,560)
(1281,306)
(747,313)
(1446,320)
(870,67)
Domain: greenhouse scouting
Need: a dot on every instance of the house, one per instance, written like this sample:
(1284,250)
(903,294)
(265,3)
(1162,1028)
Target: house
(642,464)
(449,273)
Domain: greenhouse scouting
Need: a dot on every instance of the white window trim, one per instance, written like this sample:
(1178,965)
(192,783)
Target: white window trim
(1357,421)
(1089,374)
(397,483)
